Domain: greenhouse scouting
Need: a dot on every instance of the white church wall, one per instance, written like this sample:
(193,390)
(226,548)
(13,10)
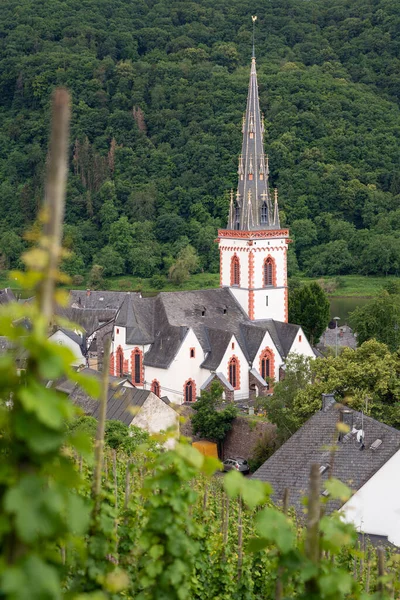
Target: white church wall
(182,368)
(301,345)
(223,367)
(276,304)
(268,343)
(242,297)
(59,337)
(229,248)
(375,507)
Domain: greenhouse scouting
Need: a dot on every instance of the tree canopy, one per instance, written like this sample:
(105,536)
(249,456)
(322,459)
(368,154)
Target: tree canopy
(309,307)
(158,92)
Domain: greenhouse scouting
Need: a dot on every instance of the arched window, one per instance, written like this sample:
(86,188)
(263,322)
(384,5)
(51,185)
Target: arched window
(137,366)
(189,390)
(264,213)
(155,387)
(267,365)
(269,272)
(234,373)
(120,362)
(235,270)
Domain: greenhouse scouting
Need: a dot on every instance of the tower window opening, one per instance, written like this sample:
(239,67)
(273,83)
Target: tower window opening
(261,176)
(237,217)
(264,213)
(235,271)
(269,272)
(250,176)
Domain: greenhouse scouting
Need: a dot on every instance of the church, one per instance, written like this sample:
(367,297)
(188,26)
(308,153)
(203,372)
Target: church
(177,343)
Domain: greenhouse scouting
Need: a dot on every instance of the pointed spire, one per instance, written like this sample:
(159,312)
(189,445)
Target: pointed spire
(253,168)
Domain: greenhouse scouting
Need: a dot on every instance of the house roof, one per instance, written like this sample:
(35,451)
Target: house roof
(214,315)
(7,296)
(222,379)
(289,467)
(122,402)
(98,299)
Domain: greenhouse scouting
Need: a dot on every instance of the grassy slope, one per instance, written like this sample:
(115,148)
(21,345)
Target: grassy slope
(346,285)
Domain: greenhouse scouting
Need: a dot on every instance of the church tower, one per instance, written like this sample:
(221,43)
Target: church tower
(253,248)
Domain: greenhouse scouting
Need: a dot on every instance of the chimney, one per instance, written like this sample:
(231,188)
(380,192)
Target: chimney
(346,417)
(328,400)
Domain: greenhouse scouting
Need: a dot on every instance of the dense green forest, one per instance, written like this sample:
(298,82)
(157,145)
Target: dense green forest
(158,93)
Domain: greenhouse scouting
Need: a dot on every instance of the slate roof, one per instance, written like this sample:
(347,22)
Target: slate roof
(122,404)
(7,296)
(214,315)
(289,467)
(98,299)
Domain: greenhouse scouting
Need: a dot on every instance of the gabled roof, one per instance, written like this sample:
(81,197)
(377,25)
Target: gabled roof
(214,316)
(290,465)
(222,379)
(122,404)
(136,314)
(7,296)
(98,299)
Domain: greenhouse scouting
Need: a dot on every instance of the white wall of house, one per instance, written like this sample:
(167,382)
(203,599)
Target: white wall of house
(223,367)
(59,337)
(268,343)
(182,368)
(375,507)
(274,307)
(155,416)
(301,345)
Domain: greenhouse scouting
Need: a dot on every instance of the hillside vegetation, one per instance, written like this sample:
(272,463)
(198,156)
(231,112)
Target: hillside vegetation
(158,94)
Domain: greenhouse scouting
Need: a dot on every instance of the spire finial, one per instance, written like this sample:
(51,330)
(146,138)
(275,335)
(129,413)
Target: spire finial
(254,19)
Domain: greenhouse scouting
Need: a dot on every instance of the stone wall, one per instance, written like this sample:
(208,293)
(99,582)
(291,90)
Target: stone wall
(243,437)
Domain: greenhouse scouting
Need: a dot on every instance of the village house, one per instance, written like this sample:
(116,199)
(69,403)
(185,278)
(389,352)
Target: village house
(125,403)
(176,343)
(367,459)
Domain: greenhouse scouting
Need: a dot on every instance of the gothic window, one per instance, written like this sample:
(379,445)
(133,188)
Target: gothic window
(269,272)
(120,362)
(264,213)
(233,373)
(155,387)
(190,391)
(137,367)
(267,365)
(235,270)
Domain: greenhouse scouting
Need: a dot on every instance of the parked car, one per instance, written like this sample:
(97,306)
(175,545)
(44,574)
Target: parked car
(240,464)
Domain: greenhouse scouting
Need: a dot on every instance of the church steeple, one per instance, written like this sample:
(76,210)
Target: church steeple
(258,213)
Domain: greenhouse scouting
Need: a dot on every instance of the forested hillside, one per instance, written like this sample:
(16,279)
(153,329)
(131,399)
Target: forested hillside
(158,94)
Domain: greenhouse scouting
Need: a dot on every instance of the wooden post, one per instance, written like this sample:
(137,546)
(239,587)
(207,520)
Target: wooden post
(99,444)
(127,485)
(279,583)
(312,545)
(380,588)
(240,539)
(54,200)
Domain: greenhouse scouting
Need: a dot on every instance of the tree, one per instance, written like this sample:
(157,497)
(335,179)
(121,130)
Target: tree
(366,379)
(187,263)
(11,247)
(95,280)
(309,307)
(379,319)
(111,261)
(279,406)
(209,420)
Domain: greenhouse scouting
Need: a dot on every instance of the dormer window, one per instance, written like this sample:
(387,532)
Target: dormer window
(264,212)
(203,312)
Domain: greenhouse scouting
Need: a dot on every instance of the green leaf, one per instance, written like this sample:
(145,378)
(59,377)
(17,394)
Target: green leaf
(33,579)
(38,438)
(252,491)
(50,407)
(338,490)
(78,514)
(275,527)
